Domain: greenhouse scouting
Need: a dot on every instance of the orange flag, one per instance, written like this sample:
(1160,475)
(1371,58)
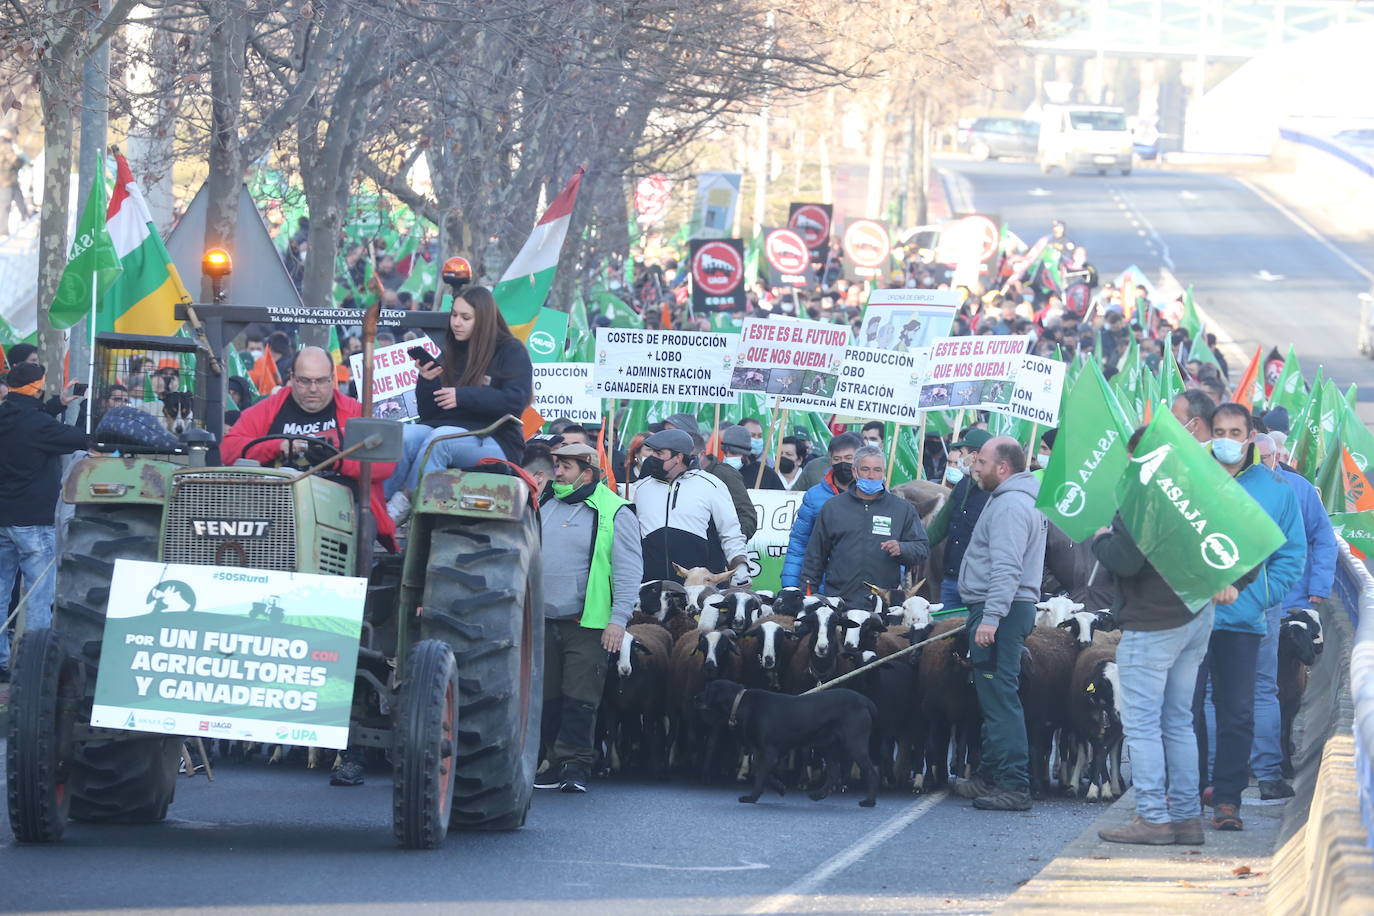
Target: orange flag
(608,470)
(264,373)
(1245,389)
(1358,496)
(531,420)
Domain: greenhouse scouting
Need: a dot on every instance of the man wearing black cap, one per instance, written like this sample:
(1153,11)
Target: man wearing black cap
(32,443)
(682,510)
(588,596)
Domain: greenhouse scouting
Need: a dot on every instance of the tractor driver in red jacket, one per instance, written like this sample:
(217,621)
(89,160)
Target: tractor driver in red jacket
(309,406)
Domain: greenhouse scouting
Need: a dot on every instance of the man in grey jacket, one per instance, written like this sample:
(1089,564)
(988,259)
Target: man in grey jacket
(1000,580)
(592,570)
(865,534)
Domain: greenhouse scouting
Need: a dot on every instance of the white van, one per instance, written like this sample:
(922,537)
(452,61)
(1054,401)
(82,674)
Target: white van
(1074,137)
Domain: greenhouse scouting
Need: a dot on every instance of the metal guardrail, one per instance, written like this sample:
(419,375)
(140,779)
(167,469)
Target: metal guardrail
(1355,586)
(1330,147)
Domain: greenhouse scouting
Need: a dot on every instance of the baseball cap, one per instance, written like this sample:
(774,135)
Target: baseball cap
(580,452)
(976,438)
(675,440)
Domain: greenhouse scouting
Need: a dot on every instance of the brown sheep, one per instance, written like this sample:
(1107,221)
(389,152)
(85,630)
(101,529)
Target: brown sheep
(949,705)
(1047,663)
(636,699)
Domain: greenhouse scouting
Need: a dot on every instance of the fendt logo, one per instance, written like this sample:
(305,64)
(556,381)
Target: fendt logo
(718,268)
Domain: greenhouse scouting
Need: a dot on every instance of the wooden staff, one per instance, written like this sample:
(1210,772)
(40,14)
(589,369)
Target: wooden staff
(921,448)
(608,425)
(767,437)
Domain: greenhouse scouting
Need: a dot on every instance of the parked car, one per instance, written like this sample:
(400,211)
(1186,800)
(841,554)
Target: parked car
(993,138)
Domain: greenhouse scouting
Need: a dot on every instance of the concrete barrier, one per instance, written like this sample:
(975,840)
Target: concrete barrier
(1324,862)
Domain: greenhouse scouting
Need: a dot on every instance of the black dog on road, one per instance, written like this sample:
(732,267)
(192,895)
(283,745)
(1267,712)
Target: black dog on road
(770,725)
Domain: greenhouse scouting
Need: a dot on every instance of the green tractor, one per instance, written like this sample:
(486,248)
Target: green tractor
(450,658)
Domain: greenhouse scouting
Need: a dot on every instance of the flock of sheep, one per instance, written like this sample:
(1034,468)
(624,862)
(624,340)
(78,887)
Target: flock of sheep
(927,725)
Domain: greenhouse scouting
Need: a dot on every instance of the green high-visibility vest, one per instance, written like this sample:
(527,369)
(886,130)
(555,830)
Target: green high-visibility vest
(596,607)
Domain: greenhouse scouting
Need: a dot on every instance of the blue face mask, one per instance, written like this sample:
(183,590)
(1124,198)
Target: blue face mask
(869,486)
(953,474)
(1227,451)
(734,461)
(756,445)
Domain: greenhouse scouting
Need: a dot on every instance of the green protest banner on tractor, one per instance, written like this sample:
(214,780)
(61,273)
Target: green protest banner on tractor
(1078,492)
(1196,525)
(250,654)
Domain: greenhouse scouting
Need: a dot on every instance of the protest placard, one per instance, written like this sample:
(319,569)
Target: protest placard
(777,510)
(904,319)
(972,372)
(566,390)
(867,249)
(787,258)
(228,652)
(874,385)
(812,223)
(393,378)
(1036,392)
(717,274)
(643,365)
(790,358)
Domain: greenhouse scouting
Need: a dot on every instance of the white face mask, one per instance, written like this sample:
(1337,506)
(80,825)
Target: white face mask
(1044,459)
(735,461)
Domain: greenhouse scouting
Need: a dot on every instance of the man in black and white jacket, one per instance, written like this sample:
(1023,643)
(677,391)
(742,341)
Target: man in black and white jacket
(683,511)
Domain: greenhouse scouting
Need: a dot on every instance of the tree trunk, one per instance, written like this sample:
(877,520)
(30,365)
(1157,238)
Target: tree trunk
(56,96)
(229,30)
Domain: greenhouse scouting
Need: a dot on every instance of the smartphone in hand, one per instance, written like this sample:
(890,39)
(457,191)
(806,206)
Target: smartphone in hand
(420,355)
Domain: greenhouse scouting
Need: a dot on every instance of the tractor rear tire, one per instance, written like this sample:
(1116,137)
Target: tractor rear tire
(96,537)
(129,781)
(44,694)
(426,738)
(484,597)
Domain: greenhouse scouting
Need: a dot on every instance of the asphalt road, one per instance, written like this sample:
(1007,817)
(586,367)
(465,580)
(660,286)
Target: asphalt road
(1253,268)
(263,840)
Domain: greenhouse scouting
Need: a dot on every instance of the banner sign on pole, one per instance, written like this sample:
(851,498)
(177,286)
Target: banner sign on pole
(228,652)
(1036,391)
(875,385)
(566,390)
(717,197)
(643,365)
(812,223)
(867,249)
(971,244)
(393,378)
(790,357)
(973,372)
(717,272)
(906,319)
(788,258)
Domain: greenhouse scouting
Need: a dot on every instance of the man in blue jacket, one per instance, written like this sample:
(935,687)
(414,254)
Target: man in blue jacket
(1312,588)
(1233,649)
(837,479)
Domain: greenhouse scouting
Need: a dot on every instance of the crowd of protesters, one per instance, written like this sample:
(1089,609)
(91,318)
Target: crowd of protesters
(1198,689)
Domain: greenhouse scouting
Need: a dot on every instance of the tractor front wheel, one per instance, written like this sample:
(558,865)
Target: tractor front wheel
(125,781)
(426,737)
(42,710)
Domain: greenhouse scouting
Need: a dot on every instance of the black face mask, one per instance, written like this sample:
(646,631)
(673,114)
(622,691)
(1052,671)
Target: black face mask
(653,467)
(786,465)
(844,473)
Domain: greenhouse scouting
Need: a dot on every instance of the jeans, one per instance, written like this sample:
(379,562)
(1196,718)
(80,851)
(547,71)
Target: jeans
(574,680)
(1230,667)
(27,549)
(996,676)
(949,592)
(1266,754)
(1158,677)
(455,453)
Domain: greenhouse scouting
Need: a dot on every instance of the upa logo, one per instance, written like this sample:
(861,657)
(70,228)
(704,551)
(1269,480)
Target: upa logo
(786,251)
(718,268)
(812,223)
(866,243)
(1070,499)
(1219,551)
(542,343)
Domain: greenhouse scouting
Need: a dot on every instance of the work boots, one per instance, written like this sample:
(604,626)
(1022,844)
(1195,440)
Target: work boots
(1141,832)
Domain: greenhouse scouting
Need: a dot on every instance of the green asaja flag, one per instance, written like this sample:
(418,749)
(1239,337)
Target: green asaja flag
(1078,492)
(1198,350)
(1359,441)
(1357,528)
(1170,381)
(92,263)
(1309,450)
(1290,391)
(1127,382)
(1192,322)
(1198,527)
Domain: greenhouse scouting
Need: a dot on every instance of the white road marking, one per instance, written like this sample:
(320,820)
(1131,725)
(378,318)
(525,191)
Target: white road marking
(1267,276)
(1038,192)
(1307,227)
(1187,195)
(1140,232)
(745,866)
(793,895)
(1120,203)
